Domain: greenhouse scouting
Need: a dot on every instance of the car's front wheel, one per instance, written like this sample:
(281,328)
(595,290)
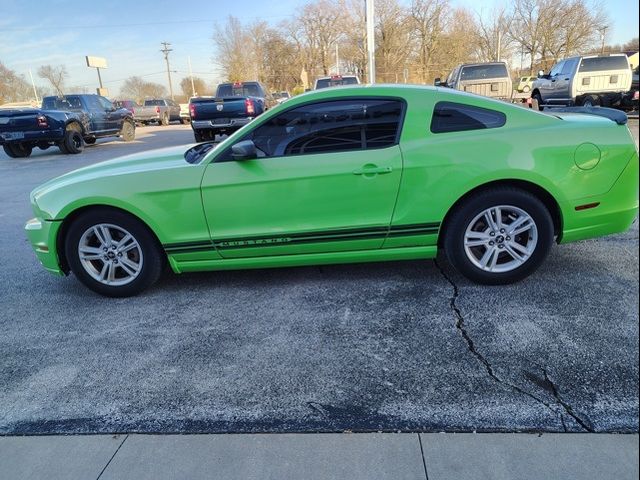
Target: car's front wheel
(499,236)
(113,253)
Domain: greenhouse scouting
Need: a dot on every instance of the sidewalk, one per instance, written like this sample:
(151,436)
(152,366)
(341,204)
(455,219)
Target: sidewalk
(322,456)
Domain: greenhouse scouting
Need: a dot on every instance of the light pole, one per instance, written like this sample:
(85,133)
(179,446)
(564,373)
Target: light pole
(371,40)
(166,51)
(603,32)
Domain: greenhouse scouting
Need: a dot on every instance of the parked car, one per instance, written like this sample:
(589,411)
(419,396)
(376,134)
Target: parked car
(281,96)
(336,81)
(525,83)
(487,79)
(68,122)
(588,81)
(167,110)
(234,105)
(346,175)
(141,114)
(185,117)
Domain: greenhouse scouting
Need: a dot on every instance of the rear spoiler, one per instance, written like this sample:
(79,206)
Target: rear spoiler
(614,115)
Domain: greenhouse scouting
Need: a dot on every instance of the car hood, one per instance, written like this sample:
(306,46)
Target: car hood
(164,158)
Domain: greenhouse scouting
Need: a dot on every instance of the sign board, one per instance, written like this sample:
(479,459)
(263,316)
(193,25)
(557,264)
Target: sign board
(103,91)
(96,62)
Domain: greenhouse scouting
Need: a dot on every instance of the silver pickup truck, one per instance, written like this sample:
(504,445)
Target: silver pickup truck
(141,114)
(167,110)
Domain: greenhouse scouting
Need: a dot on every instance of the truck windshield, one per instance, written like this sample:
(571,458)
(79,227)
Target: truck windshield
(600,64)
(154,103)
(238,90)
(336,82)
(62,103)
(480,72)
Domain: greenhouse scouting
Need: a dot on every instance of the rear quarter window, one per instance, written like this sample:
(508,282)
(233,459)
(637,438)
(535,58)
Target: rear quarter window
(457,117)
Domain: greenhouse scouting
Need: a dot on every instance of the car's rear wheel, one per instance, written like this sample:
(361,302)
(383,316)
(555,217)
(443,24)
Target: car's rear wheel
(498,236)
(17,150)
(90,140)
(164,121)
(113,253)
(590,101)
(526,89)
(73,142)
(537,98)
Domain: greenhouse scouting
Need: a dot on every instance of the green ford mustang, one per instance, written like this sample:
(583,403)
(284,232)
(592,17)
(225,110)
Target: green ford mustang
(352,174)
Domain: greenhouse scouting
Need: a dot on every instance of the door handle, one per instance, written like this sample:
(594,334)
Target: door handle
(372,170)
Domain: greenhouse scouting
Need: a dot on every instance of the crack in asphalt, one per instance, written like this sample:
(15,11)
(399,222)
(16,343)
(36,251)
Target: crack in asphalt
(461,327)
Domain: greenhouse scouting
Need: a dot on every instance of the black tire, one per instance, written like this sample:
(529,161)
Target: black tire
(590,101)
(73,142)
(153,259)
(18,150)
(538,98)
(43,146)
(198,136)
(90,140)
(185,121)
(128,131)
(164,121)
(465,213)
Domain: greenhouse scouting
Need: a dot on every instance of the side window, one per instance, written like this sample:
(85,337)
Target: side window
(332,126)
(93,102)
(456,117)
(569,66)
(105,104)
(557,68)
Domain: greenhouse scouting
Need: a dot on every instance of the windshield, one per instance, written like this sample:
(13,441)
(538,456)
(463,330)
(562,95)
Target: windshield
(154,103)
(197,153)
(600,64)
(481,72)
(241,90)
(336,82)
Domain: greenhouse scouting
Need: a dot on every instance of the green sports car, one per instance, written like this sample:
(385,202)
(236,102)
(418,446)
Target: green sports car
(352,174)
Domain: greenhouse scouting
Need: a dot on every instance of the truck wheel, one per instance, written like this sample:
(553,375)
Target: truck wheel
(184,121)
(128,131)
(537,98)
(43,145)
(198,136)
(90,140)
(18,150)
(73,142)
(164,121)
(591,101)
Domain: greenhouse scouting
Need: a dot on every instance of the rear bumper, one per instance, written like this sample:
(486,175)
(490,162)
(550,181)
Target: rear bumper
(211,125)
(617,209)
(42,236)
(32,136)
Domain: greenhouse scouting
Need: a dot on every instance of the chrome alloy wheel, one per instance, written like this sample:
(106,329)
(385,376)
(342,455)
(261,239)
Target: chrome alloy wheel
(500,239)
(110,254)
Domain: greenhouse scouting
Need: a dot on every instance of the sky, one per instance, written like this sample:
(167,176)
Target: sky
(128,34)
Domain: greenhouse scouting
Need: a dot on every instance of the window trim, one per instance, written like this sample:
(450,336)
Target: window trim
(447,102)
(403,115)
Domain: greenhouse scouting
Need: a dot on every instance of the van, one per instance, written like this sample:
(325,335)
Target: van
(585,81)
(487,79)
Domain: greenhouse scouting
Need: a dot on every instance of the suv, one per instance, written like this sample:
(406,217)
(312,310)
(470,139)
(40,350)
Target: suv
(167,110)
(487,79)
(336,81)
(587,81)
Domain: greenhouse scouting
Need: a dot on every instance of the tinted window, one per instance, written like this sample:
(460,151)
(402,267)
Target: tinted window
(599,64)
(335,82)
(330,127)
(238,90)
(105,104)
(557,68)
(455,117)
(479,72)
(154,103)
(569,66)
(64,103)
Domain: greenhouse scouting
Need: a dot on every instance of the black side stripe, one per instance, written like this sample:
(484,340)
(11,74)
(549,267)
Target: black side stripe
(302,238)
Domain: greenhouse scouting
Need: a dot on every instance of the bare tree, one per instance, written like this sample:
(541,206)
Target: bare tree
(56,75)
(199,86)
(233,45)
(428,18)
(13,87)
(139,89)
(393,37)
(493,42)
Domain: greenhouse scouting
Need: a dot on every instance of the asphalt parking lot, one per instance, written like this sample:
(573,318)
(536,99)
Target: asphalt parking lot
(387,346)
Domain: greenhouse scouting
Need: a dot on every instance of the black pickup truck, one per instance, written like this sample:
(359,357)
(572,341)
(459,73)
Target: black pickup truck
(234,105)
(68,122)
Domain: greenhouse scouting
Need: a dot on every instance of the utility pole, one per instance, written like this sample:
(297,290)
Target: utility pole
(603,32)
(166,51)
(499,45)
(35,92)
(337,60)
(371,40)
(193,88)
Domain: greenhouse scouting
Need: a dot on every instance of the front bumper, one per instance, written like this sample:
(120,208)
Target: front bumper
(42,235)
(616,210)
(212,125)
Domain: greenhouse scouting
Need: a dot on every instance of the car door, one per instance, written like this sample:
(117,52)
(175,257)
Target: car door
(549,92)
(326,179)
(563,81)
(113,117)
(97,114)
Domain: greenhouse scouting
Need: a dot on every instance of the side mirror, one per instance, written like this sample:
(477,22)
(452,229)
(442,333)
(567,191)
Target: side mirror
(540,73)
(437,81)
(244,150)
